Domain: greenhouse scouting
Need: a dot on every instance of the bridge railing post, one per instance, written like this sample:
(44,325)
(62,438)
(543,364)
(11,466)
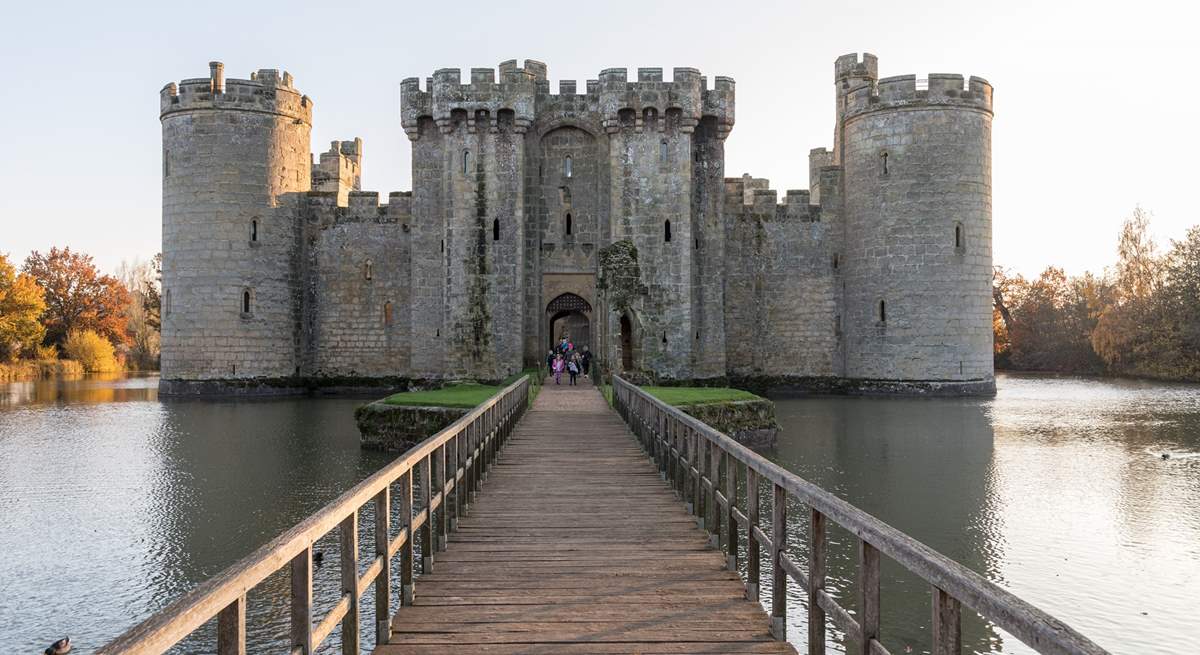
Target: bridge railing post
(348,558)
(752,545)
(714,479)
(383,583)
(731,526)
(439,459)
(301,624)
(426,472)
(868,595)
(231,628)
(947,623)
(406,550)
(816,583)
(779,576)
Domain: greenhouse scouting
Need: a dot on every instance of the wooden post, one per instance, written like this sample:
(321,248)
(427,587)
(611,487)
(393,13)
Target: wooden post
(669,436)
(868,594)
(714,513)
(467,483)
(439,458)
(698,487)
(816,583)
(231,628)
(302,602)
(406,551)
(751,543)
(451,501)
(349,560)
(779,577)
(947,626)
(731,526)
(427,527)
(383,583)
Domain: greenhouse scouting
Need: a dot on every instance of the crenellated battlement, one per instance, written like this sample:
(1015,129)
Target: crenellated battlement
(513,90)
(325,209)
(854,66)
(683,100)
(901,91)
(265,91)
(748,196)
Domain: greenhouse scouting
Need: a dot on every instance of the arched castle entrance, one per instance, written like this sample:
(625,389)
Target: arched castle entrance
(571,316)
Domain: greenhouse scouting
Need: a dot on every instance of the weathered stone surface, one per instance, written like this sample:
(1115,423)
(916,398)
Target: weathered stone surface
(750,422)
(877,278)
(398,427)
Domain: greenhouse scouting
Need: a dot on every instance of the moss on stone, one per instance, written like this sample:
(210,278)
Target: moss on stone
(620,277)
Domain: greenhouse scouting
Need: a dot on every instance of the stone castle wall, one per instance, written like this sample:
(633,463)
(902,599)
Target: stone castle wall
(358,292)
(781,285)
(515,192)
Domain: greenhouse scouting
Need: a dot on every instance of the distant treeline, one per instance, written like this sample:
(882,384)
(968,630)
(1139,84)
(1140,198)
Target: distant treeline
(59,304)
(1140,317)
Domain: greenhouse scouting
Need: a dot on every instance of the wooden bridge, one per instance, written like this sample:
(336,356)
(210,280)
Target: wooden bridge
(587,539)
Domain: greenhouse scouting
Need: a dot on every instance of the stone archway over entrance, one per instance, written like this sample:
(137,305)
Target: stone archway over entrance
(570,315)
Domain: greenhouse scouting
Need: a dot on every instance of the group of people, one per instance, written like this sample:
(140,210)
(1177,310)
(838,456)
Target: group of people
(566,358)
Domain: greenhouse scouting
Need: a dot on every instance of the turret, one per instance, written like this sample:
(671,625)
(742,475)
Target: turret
(917,264)
(235,159)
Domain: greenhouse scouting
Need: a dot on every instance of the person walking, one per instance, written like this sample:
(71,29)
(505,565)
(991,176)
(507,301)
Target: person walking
(587,362)
(558,369)
(549,362)
(573,369)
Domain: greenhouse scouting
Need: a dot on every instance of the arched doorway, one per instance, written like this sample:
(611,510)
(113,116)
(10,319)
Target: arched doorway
(570,315)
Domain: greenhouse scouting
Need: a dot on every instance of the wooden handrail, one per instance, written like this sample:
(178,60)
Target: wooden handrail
(469,445)
(677,442)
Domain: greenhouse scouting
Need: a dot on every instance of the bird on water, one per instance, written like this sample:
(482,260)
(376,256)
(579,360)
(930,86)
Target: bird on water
(60,647)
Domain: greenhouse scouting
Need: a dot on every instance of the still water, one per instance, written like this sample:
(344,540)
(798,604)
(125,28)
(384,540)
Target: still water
(1055,489)
(113,503)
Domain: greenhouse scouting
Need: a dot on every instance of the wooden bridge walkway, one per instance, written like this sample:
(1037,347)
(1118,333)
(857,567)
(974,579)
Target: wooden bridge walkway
(577,545)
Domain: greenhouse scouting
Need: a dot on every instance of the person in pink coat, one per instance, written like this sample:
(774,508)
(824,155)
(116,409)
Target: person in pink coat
(559,365)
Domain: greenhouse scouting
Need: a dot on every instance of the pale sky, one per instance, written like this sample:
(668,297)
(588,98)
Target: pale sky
(1096,105)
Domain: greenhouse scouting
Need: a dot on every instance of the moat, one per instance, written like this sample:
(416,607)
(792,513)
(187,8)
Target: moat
(113,503)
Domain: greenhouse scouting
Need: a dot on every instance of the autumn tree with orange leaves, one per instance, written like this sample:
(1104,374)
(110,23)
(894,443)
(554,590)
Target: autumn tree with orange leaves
(78,296)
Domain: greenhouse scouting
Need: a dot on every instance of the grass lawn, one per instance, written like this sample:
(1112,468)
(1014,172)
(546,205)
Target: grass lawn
(466,396)
(698,395)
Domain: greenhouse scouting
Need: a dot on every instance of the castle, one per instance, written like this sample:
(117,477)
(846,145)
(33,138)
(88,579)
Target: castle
(602,212)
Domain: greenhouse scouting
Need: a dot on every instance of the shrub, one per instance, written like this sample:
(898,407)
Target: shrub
(45,353)
(91,350)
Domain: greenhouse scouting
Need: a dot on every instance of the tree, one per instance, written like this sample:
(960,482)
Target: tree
(143,280)
(21,305)
(78,297)
(1125,332)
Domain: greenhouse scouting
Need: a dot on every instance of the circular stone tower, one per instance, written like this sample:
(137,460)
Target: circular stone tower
(917,172)
(236,160)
